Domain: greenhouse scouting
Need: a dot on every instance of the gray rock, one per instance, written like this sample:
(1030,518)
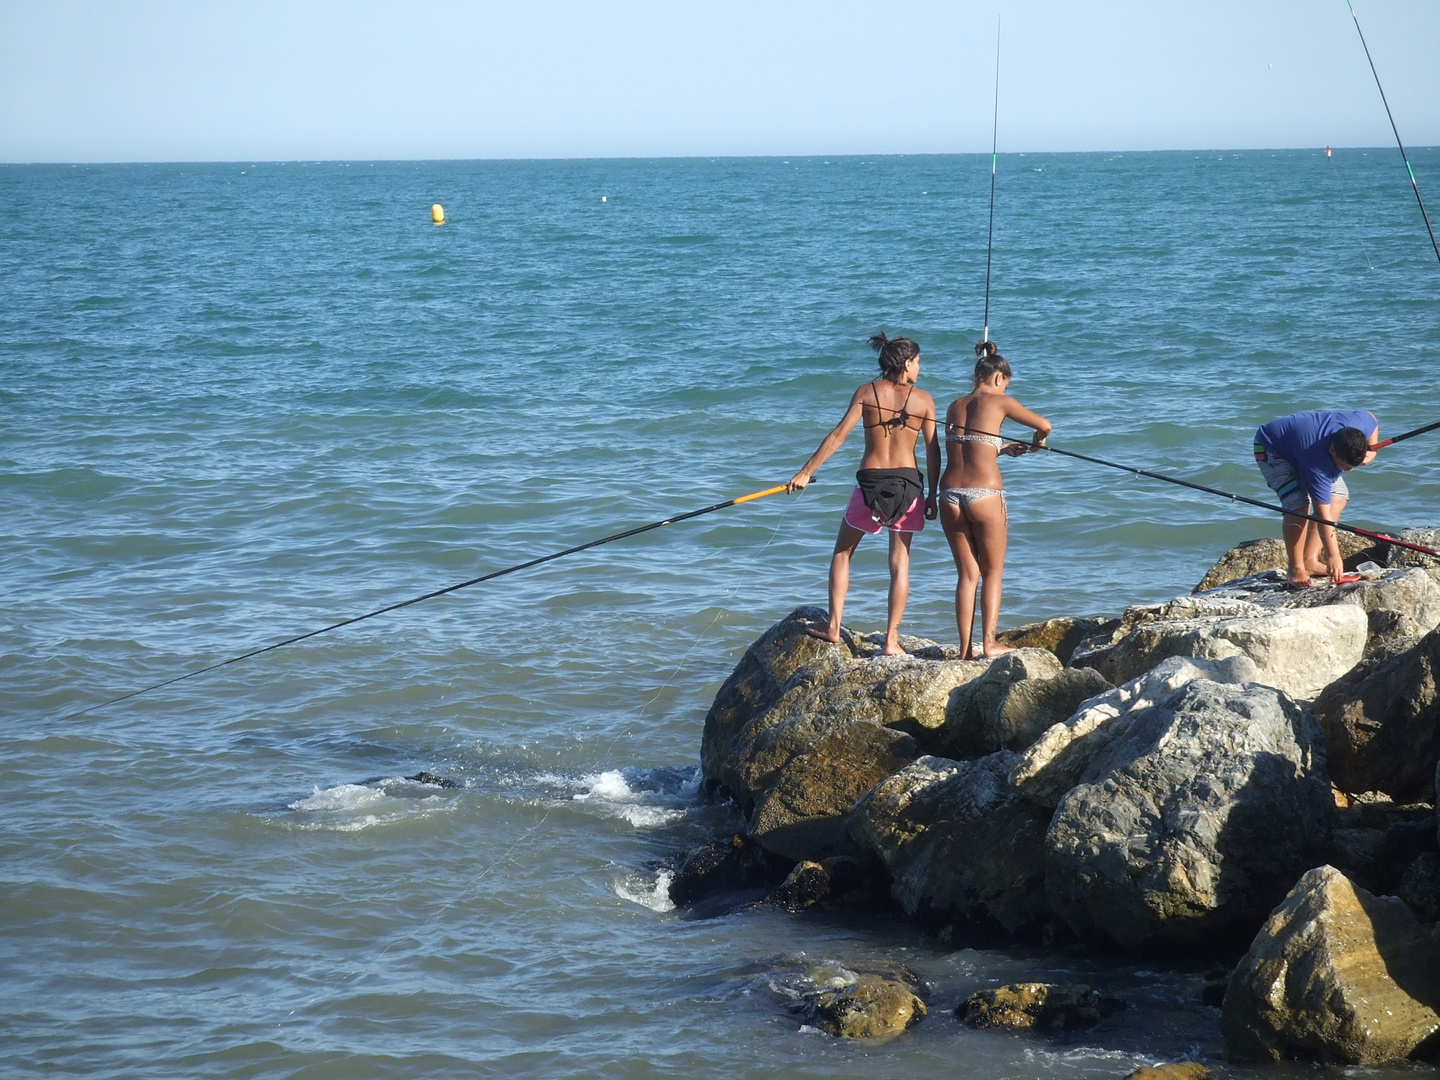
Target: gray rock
(803,812)
(1054,763)
(1298,650)
(959,843)
(1031,706)
(1420,887)
(1382,723)
(1427,536)
(1335,975)
(1187,828)
(1406,591)
(972,726)
(919,696)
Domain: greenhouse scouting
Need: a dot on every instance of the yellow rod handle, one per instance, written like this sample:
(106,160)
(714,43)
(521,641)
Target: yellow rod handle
(759,494)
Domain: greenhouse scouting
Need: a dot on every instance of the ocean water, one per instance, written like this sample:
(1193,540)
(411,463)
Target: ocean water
(239,402)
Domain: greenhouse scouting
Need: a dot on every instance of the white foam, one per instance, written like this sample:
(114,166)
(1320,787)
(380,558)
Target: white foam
(608,786)
(650,817)
(654,895)
(342,797)
(355,807)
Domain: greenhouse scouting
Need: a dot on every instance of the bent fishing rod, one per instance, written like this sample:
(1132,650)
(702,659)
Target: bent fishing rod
(1036,446)
(433,594)
(1404,156)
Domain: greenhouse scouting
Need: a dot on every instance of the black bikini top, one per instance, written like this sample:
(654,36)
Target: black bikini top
(899,420)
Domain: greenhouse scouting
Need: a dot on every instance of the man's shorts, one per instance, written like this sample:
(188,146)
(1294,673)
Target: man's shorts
(1280,475)
(860,516)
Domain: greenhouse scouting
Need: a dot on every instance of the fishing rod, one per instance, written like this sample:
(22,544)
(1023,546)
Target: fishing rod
(1406,157)
(1230,495)
(1407,435)
(437,592)
(994,148)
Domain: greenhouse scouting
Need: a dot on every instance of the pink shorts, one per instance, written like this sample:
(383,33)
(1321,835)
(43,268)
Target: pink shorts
(859,515)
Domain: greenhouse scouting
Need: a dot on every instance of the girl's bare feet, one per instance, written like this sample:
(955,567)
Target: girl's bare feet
(995,649)
(816,630)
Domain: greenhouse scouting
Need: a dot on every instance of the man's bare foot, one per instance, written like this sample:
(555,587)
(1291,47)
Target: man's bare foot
(996,649)
(822,632)
(1299,583)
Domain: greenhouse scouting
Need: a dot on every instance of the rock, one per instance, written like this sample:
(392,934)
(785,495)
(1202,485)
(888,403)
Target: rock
(1254,557)
(1426,537)
(1059,636)
(757,682)
(1377,858)
(871,1007)
(724,866)
(1420,887)
(433,780)
(918,696)
(972,719)
(1335,975)
(1031,706)
(1407,591)
(1299,651)
(1176,1070)
(1034,1005)
(1382,723)
(1054,763)
(807,884)
(959,843)
(1187,828)
(803,813)
(1391,628)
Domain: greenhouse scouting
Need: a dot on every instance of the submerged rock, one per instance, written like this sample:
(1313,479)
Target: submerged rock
(1171,1070)
(1187,827)
(869,1008)
(959,843)
(1035,1005)
(724,866)
(1382,723)
(1335,975)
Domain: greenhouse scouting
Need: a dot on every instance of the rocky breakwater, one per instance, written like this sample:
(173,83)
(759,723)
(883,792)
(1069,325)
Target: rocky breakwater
(1154,783)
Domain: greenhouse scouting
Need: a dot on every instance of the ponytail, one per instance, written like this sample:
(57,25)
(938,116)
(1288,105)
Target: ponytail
(895,353)
(989,364)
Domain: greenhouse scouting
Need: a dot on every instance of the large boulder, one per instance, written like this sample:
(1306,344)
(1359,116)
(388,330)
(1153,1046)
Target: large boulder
(972,720)
(1335,975)
(1186,829)
(1299,651)
(1255,557)
(1054,763)
(1382,723)
(1384,596)
(803,812)
(1059,636)
(1031,706)
(961,846)
(758,680)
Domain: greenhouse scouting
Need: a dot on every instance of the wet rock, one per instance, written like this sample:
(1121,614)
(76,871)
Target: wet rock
(1059,636)
(803,813)
(757,682)
(1046,1006)
(972,722)
(1255,557)
(1171,1070)
(1298,650)
(1382,723)
(960,845)
(840,879)
(1420,887)
(1335,975)
(808,884)
(1054,763)
(871,1007)
(433,780)
(1186,828)
(724,866)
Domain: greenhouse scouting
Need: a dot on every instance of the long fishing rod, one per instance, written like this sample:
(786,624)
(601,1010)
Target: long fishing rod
(1236,498)
(1406,157)
(1407,435)
(437,592)
(994,148)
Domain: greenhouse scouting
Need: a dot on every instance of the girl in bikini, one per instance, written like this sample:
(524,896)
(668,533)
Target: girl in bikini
(972,500)
(888,494)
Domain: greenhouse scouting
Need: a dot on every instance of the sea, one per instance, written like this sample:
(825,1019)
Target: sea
(241,402)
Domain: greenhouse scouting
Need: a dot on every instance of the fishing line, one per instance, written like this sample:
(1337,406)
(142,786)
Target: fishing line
(1406,157)
(994,148)
(437,592)
(1359,237)
(1239,498)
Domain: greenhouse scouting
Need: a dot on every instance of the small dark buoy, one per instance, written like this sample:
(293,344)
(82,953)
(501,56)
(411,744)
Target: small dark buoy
(432,779)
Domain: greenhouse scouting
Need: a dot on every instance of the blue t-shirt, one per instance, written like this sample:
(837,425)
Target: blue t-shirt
(1303,439)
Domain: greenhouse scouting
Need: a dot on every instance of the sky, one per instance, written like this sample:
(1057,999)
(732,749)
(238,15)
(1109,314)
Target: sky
(150,80)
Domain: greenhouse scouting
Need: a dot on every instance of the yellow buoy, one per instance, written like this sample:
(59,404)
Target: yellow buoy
(437,214)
